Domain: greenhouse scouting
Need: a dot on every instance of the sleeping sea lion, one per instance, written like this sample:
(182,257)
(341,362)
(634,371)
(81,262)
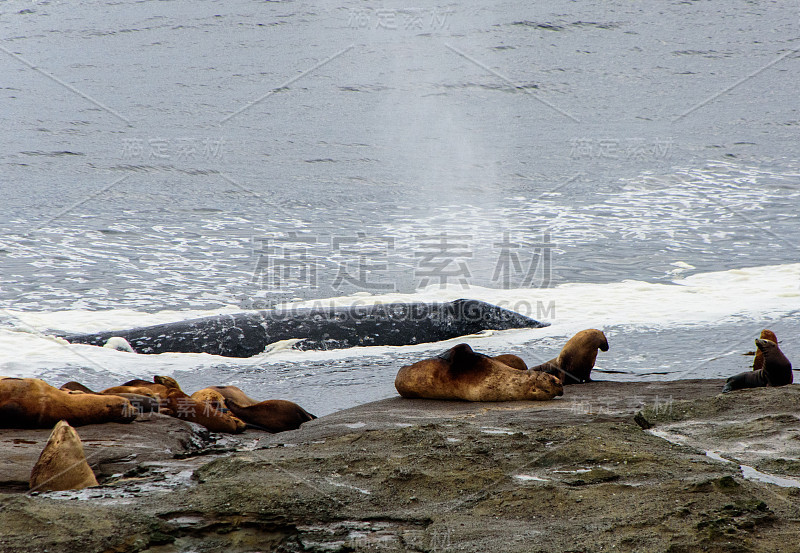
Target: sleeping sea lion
(234,393)
(62,464)
(575,362)
(157,389)
(33,403)
(182,406)
(460,373)
(777,370)
(142,403)
(272,415)
(209,395)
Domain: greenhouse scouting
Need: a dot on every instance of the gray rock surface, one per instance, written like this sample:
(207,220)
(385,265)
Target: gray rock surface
(573,474)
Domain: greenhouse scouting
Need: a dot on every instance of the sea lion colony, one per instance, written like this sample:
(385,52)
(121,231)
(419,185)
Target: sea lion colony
(459,373)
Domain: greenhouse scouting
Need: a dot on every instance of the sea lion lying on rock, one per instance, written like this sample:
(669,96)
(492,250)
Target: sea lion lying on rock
(273,415)
(182,406)
(233,393)
(461,373)
(33,403)
(140,402)
(777,370)
(160,386)
(62,464)
(176,403)
(575,362)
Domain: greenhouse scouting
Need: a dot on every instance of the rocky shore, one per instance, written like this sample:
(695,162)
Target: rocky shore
(667,466)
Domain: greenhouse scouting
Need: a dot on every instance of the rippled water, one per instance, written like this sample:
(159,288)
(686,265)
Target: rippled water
(182,155)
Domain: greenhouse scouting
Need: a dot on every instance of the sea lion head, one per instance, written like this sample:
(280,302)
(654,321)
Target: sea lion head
(765,345)
(547,383)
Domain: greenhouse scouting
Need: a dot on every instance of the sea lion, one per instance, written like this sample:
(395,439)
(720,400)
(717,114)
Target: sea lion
(209,395)
(234,393)
(62,464)
(575,362)
(182,406)
(33,403)
(513,361)
(73,386)
(758,360)
(461,373)
(272,415)
(777,370)
(159,388)
(142,403)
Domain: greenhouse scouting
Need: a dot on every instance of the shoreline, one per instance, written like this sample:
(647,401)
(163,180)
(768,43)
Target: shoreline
(575,473)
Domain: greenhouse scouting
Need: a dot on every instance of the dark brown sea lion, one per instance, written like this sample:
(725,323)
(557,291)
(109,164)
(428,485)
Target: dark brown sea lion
(62,464)
(758,360)
(272,415)
(460,373)
(575,362)
(513,361)
(777,370)
(33,403)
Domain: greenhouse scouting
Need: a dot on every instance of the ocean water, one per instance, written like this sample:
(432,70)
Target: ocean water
(627,167)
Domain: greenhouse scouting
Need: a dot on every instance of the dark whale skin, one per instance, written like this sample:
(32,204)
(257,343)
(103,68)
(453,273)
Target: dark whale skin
(247,334)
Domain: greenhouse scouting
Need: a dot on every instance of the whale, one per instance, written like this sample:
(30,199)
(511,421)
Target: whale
(317,328)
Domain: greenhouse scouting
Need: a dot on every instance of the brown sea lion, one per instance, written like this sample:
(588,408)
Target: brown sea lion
(575,362)
(234,393)
(73,386)
(33,403)
(150,403)
(210,395)
(758,360)
(513,361)
(460,373)
(158,389)
(777,370)
(182,406)
(62,464)
(272,415)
